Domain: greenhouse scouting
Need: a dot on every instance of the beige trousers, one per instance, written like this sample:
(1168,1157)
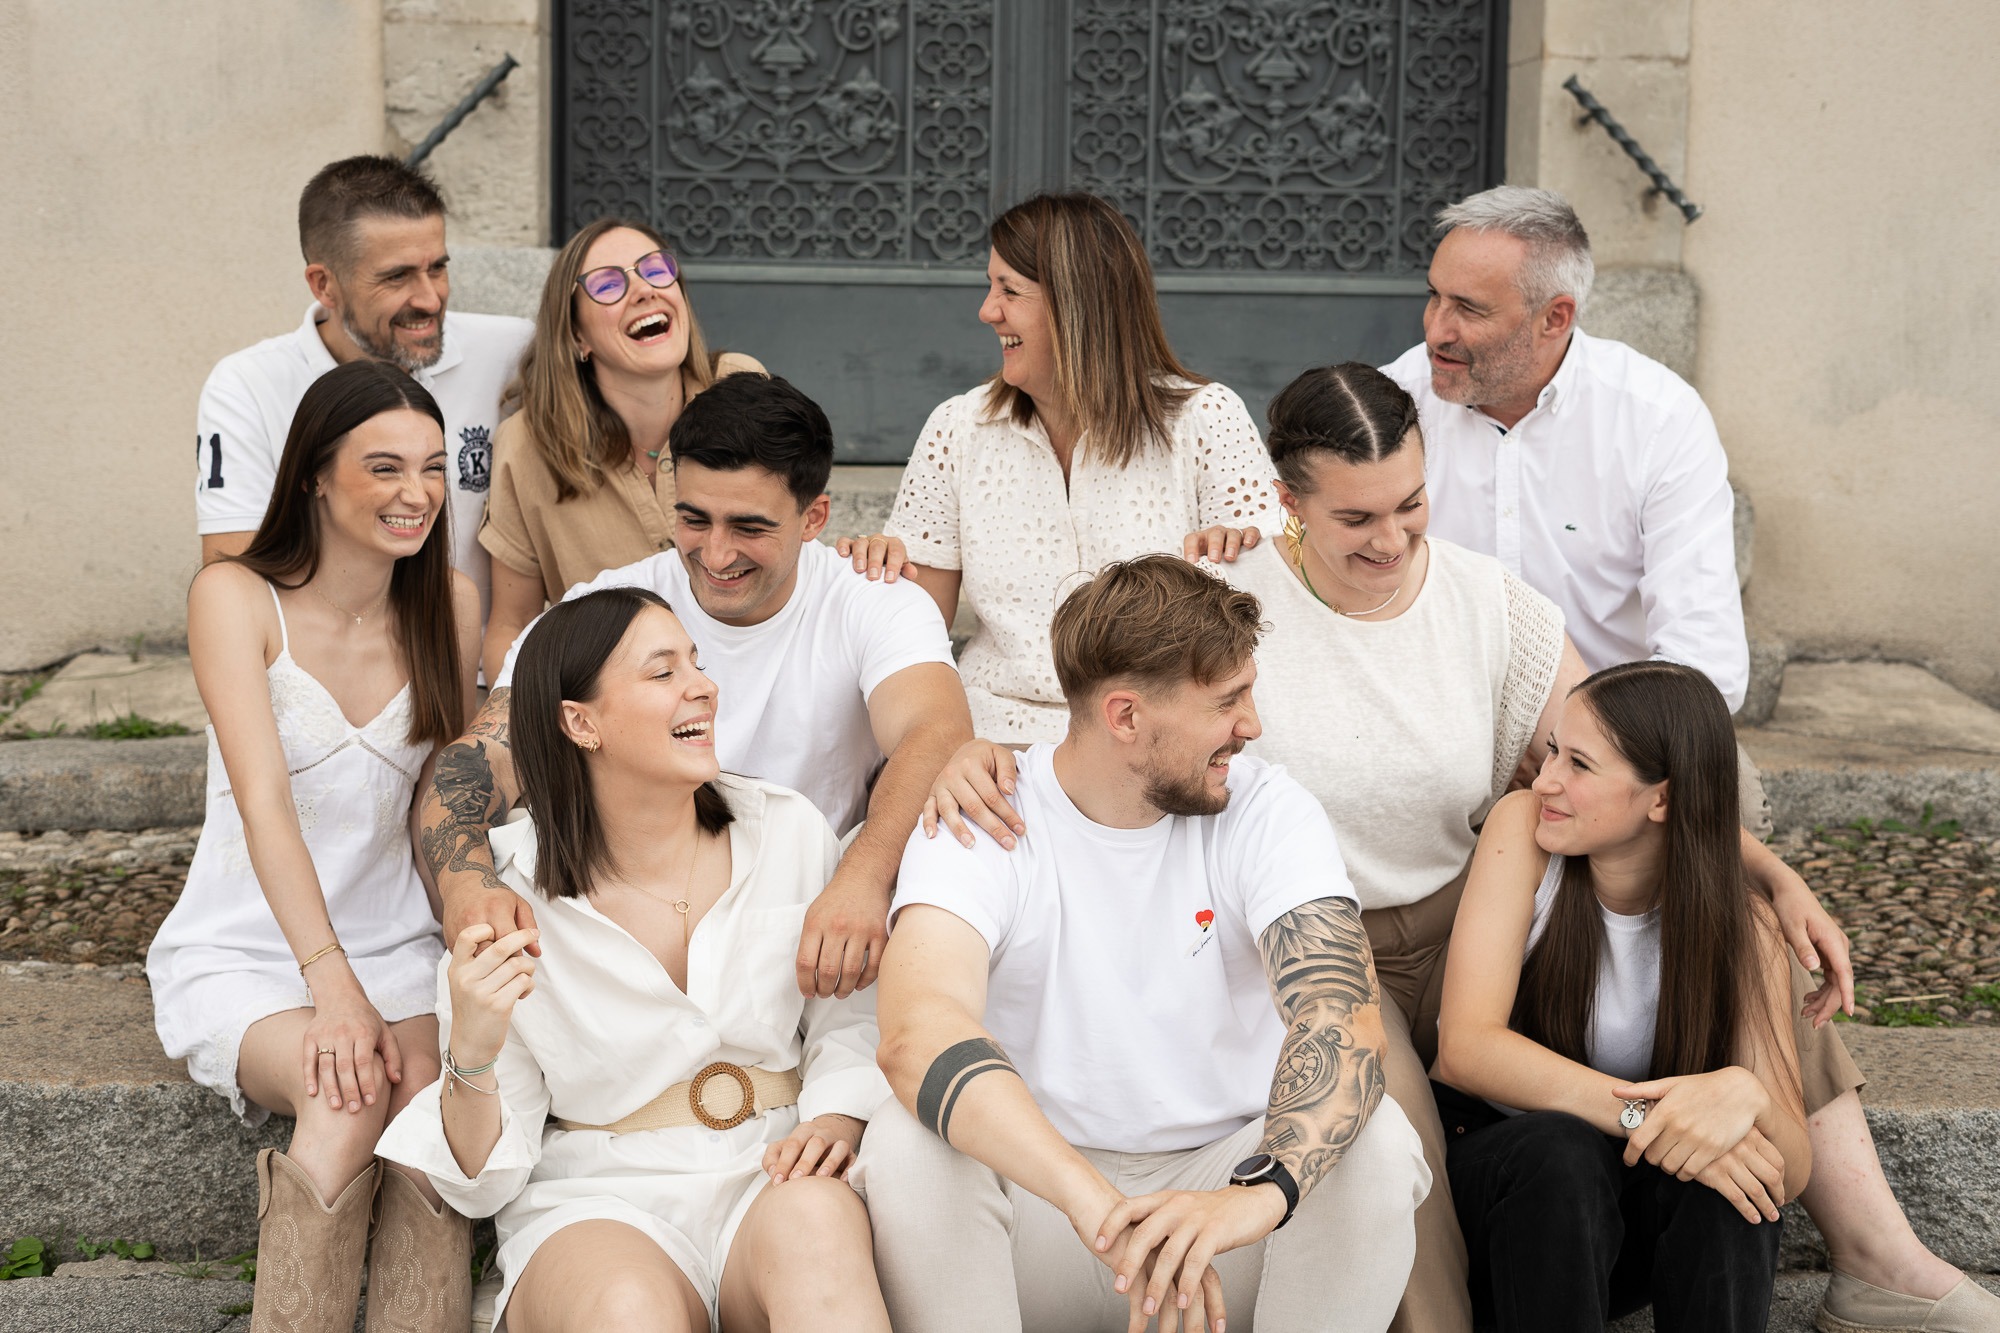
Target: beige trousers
(1410,944)
(960,1249)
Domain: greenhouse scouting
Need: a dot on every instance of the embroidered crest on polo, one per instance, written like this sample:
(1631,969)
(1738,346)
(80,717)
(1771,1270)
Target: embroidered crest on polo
(475,458)
(1205,919)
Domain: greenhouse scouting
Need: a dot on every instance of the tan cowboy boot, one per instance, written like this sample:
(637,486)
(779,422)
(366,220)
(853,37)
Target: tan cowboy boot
(308,1255)
(419,1264)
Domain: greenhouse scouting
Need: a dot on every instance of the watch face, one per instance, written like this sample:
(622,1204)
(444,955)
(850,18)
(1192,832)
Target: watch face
(1254,1168)
(1633,1116)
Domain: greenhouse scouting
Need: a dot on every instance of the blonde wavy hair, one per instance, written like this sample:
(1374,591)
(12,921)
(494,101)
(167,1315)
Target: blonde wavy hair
(1114,367)
(579,436)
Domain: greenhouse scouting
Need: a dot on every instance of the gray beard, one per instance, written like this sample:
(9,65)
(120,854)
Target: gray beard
(395,353)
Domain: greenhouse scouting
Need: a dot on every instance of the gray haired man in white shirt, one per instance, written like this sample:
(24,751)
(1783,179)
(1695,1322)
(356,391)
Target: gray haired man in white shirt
(1595,474)
(1589,470)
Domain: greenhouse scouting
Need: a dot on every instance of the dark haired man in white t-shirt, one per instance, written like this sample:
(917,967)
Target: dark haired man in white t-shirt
(834,685)
(1137,1059)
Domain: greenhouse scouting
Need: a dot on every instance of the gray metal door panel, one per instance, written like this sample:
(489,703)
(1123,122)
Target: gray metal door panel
(826,168)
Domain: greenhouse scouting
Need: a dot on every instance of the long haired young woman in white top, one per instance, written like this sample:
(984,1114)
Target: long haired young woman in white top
(1613,980)
(659,1122)
(295,974)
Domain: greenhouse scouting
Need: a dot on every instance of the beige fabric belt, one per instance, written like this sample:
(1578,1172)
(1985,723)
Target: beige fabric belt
(707,1099)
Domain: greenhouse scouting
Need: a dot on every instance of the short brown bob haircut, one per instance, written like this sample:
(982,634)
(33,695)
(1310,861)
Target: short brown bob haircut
(1156,622)
(564,658)
(1116,375)
(344,192)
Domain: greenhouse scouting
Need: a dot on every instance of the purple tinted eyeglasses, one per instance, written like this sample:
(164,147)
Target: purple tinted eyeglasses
(607,285)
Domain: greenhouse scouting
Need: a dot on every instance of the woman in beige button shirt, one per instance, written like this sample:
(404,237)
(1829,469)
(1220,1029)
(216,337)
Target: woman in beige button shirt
(577,483)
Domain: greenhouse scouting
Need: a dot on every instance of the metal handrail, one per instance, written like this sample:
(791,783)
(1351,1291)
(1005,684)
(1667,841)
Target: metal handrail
(480,92)
(1594,110)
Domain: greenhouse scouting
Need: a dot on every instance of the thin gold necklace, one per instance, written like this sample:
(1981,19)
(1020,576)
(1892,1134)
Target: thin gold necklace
(685,903)
(343,610)
(1303,574)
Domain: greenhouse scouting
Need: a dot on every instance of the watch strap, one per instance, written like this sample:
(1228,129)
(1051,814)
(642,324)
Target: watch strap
(1276,1174)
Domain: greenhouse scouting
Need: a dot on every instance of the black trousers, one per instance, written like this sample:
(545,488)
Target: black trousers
(1562,1235)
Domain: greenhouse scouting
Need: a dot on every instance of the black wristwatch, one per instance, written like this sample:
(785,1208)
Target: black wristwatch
(1265,1168)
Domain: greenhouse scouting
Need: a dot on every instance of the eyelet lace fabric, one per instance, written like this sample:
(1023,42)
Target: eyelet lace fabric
(1534,654)
(987,497)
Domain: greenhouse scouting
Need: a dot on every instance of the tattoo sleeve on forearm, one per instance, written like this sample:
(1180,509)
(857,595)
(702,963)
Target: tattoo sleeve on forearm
(945,1081)
(470,797)
(1329,1077)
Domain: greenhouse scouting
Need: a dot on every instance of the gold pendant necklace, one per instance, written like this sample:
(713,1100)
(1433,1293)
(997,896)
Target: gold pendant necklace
(343,610)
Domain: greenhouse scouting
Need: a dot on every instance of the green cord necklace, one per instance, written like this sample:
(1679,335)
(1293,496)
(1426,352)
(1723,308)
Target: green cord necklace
(1308,578)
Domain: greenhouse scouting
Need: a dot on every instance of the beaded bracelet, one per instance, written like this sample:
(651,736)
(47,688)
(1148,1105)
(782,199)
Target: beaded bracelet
(454,1073)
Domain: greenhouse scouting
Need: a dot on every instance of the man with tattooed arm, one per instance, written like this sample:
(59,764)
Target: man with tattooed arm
(1138,1059)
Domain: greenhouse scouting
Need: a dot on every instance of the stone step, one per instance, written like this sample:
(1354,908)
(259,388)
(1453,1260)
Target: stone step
(1824,762)
(144,1299)
(1875,740)
(104,1136)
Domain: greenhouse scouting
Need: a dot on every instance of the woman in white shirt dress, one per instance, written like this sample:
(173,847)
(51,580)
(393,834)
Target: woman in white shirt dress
(295,974)
(1092,443)
(636,1091)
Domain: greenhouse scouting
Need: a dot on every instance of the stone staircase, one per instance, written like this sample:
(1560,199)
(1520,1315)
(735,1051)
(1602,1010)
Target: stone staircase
(106,1137)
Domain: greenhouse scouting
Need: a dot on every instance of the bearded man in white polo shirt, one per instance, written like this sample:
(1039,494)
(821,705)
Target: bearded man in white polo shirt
(1138,1059)
(372,232)
(1595,474)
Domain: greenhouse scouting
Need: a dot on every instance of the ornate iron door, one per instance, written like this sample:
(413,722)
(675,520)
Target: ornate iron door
(826,169)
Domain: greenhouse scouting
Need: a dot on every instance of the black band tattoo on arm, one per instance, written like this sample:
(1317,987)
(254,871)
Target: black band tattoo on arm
(1329,1077)
(948,1075)
(467,790)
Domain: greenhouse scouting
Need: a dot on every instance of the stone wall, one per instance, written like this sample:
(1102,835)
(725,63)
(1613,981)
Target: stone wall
(1849,267)
(1634,56)
(148,222)
(494,167)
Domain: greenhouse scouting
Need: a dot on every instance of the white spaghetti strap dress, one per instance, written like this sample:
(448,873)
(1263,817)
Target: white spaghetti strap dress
(220,963)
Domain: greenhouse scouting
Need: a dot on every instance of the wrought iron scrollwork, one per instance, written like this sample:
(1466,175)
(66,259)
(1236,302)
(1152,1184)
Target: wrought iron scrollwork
(1280,135)
(816,130)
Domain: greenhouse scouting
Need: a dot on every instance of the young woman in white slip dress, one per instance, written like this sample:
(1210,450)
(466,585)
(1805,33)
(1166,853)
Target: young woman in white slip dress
(296,974)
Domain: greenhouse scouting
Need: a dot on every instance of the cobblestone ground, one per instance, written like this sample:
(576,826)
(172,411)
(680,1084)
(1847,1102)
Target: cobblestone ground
(1923,912)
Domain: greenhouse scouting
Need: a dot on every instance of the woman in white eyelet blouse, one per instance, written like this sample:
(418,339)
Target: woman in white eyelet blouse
(1092,444)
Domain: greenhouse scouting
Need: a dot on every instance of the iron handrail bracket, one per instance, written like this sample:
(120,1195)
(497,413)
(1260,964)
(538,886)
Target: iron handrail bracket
(1594,110)
(480,92)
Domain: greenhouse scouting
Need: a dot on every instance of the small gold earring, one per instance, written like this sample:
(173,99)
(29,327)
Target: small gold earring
(588,747)
(1295,537)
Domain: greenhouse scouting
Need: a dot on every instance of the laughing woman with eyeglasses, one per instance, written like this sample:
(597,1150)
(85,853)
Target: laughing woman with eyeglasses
(579,485)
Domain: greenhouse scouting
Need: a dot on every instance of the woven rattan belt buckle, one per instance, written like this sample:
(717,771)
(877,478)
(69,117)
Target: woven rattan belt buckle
(700,1081)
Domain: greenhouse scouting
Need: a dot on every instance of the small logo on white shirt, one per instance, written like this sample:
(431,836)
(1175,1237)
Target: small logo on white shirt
(1206,920)
(475,459)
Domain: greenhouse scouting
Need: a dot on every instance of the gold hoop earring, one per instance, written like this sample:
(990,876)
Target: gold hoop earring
(589,747)
(1295,538)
